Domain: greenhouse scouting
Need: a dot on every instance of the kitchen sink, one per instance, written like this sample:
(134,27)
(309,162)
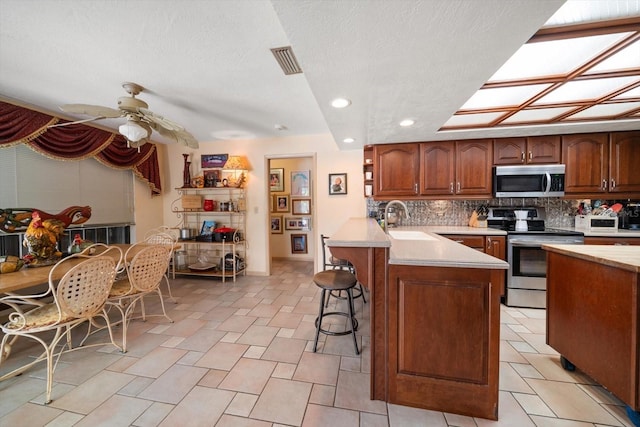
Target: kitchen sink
(410,235)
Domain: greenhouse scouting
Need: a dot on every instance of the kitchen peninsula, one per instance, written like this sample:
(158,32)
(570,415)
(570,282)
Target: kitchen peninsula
(435,316)
(593,300)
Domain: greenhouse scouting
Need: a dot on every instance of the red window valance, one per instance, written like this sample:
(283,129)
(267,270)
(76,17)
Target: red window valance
(20,125)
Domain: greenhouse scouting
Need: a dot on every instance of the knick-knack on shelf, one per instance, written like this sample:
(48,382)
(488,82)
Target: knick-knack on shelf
(186,175)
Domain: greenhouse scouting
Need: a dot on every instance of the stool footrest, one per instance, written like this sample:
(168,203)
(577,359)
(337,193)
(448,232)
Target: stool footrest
(354,322)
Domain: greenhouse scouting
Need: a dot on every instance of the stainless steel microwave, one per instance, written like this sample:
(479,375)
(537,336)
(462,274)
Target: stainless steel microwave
(528,181)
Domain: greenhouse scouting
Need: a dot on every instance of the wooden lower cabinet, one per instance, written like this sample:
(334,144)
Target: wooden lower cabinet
(493,245)
(592,321)
(612,240)
(443,339)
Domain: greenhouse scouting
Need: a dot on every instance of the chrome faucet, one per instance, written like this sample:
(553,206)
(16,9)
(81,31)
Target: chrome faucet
(387,224)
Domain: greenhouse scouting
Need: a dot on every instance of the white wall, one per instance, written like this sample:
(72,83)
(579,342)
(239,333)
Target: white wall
(147,207)
(330,211)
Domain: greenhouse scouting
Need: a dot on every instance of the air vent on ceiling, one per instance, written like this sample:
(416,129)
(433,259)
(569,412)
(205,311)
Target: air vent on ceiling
(286,59)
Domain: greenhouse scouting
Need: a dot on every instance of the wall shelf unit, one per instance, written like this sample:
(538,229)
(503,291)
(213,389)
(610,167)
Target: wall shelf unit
(223,258)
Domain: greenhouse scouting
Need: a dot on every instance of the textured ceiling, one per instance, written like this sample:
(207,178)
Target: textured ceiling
(208,66)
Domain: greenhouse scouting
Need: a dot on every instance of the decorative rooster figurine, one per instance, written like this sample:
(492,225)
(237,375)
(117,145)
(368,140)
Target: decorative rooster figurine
(41,238)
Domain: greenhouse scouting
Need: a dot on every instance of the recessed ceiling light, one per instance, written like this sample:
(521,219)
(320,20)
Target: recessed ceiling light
(407,122)
(340,103)
(280,127)
(348,140)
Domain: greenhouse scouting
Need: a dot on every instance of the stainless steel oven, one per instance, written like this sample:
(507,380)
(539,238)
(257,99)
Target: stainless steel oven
(526,277)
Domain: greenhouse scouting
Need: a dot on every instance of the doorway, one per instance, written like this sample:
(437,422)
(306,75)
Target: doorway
(290,185)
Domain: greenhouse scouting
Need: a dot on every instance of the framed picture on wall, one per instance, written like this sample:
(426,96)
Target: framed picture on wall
(298,243)
(337,183)
(292,223)
(276,179)
(211,161)
(304,224)
(282,203)
(300,183)
(276,224)
(301,206)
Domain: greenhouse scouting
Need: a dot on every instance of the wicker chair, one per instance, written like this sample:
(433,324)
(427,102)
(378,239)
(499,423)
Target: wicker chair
(163,236)
(144,274)
(78,297)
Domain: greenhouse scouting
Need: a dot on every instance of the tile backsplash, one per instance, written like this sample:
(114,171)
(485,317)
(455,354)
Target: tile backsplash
(560,212)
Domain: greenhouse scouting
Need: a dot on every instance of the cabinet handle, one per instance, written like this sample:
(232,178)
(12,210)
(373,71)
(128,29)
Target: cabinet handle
(522,156)
(458,186)
(451,187)
(604,184)
(415,188)
(530,155)
(459,241)
(613,184)
(488,242)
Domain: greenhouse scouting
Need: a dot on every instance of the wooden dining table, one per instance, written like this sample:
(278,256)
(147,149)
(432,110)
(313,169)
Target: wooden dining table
(28,277)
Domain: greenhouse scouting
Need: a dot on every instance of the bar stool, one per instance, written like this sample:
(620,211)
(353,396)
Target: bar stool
(333,263)
(336,280)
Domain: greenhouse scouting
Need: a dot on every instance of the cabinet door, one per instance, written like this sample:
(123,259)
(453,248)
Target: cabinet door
(586,157)
(496,246)
(543,149)
(437,168)
(396,168)
(624,162)
(473,167)
(509,151)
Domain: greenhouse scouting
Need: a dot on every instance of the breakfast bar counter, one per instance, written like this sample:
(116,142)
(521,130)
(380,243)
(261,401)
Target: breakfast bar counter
(435,317)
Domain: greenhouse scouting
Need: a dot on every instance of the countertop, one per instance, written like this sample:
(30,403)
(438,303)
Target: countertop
(359,232)
(624,257)
(608,233)
(452,229)
(437,251)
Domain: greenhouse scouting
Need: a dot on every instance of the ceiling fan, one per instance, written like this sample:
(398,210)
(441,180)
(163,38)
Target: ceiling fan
(140,120)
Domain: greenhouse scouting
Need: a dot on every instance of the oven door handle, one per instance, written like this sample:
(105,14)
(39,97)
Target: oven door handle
(539,243)
(527,244)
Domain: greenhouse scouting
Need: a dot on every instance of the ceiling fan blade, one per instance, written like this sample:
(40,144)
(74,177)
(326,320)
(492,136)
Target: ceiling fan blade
(159,120)
(180,136)
(185,138)
(92,110)
(57,125)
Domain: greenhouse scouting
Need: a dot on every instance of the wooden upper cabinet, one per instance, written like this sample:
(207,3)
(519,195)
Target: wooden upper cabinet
(437,168)
(473,167)
(543,149)
(624,163)
(509,151)
(531,150)
(586,157)
(395,169)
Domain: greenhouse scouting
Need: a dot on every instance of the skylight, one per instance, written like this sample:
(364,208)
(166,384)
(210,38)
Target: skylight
(571,70)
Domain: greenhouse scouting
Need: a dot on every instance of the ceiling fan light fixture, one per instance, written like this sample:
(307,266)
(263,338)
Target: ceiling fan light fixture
(133,131)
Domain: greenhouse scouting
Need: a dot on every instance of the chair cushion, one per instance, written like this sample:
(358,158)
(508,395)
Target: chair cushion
(38,318)
(122,288)
(335,279)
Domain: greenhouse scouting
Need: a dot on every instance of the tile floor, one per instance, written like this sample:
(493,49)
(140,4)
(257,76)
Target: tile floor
(239,354)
